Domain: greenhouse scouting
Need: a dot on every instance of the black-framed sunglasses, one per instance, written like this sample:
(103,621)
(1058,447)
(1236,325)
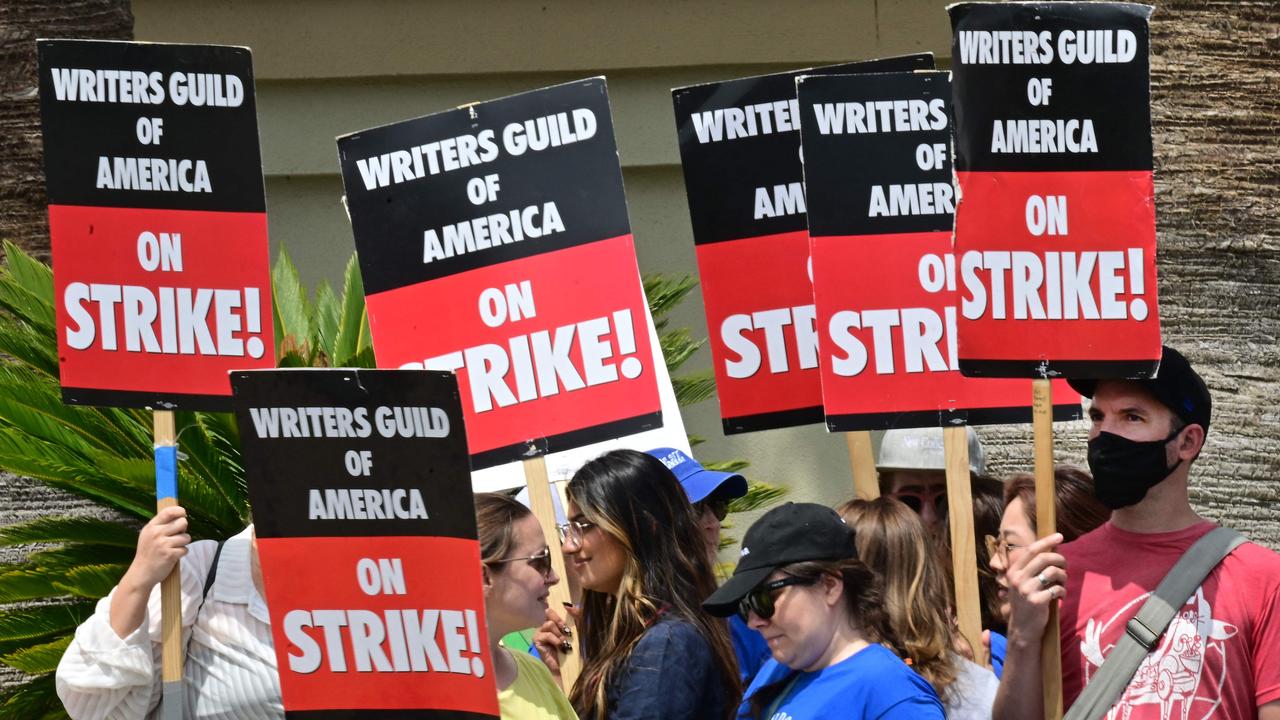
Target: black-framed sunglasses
(760,599)
(540,562)
(718,507)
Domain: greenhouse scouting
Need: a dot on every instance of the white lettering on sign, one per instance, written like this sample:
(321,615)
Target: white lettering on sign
(165,321)
(801,340)
(1053,285)
(491,231)
(879,116)
(153,174)
(1027,47)
(341,422)
(541,363)
(1043,136)
(910,335)
(750,121)
(779,200)
(912,199)
(445,641)
(366,504)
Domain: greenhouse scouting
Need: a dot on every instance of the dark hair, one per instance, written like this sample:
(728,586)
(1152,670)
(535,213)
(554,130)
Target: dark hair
(634,498)
(864,604)
(496,514)
(988,507)
(1078,510)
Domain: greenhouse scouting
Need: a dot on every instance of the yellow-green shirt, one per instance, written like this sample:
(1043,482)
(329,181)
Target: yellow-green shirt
(534,695)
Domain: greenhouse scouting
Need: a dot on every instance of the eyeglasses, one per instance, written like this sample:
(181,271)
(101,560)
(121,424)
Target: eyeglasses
(916,501)
(540,562)
(573,531)
(718,507)
(760,599)
(996,546)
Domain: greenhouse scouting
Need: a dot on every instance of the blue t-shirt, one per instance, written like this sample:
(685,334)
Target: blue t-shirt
(750,647)
(872,685)
(671,675)
(998,646)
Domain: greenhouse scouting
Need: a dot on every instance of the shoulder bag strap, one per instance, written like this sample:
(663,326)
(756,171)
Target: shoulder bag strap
(1144,630)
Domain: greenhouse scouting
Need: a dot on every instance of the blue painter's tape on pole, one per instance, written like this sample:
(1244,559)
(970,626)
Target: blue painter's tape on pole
(166,472)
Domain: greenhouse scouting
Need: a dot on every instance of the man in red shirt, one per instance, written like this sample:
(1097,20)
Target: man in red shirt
(1220,657)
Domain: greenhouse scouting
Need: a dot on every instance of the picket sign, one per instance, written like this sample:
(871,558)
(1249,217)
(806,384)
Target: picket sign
(158,236)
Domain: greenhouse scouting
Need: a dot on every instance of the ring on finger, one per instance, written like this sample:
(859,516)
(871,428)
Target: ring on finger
(1044,581)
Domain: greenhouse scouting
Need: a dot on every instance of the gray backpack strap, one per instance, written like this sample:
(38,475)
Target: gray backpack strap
(1144,630)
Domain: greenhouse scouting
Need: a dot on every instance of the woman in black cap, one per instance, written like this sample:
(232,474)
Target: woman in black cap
(649,652)
(800,583)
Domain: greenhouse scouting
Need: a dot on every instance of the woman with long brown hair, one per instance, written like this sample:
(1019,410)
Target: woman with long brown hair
(649,651)
(517,575)
(893,542)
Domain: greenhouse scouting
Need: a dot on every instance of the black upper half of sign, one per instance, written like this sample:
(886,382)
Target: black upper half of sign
(78,133)
(1115,96)
(841,169)
(282,471)
(583,179)
(720,178)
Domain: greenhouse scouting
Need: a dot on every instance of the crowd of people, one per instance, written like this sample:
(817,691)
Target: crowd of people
(827,613)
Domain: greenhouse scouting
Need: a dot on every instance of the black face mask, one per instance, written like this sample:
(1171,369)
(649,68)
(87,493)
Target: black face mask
(1123,469)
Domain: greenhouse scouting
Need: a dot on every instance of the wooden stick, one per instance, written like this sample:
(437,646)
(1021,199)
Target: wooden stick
(570,576)
(1046,524)
(535,476)
(171,587)
(866,484)
(964,554)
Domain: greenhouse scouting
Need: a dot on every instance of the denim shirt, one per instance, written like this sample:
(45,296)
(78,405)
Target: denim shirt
(671,675)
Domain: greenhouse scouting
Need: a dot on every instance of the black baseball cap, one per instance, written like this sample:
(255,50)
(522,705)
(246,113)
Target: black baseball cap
(790,533)
(1179,387)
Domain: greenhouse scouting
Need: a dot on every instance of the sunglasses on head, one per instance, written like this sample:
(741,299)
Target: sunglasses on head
(760,599)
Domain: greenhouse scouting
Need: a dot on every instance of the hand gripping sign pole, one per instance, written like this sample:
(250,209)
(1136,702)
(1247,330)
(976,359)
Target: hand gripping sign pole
(166,452)
(1046,524)
(535,474)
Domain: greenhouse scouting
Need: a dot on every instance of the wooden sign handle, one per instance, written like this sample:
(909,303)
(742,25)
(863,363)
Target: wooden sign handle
(172,701)
(1046,524)
(535,476)
(964,554)
(866,483)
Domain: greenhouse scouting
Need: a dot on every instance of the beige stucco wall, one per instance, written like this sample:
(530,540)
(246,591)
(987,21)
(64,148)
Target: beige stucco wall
(326,68)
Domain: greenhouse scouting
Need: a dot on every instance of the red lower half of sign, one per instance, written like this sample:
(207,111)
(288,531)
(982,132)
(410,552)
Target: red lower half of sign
(155,307)
(887,339)
(760,318)
(379,623)
(550,346)
(1057,273)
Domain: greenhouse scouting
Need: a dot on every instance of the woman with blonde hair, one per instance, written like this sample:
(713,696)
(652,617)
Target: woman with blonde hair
(649,651)
(517,576)
(893,542)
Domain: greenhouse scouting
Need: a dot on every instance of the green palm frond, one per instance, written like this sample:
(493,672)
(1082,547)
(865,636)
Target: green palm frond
(70,530)
(38,623)
(38,659)
(35,699)
(693,388)
(353,337)
(91,581)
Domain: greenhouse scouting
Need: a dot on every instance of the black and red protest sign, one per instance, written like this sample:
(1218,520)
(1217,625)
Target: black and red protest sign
(157,221)
(361,495)
(740,148)
(878,172)
(494,241)
(1055,237)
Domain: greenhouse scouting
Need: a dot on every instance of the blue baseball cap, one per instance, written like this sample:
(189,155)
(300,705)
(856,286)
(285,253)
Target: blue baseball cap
(698,481)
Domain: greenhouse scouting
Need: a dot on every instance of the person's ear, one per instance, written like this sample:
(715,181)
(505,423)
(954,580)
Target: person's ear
(1190,442)
(832,589)
(486,578)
